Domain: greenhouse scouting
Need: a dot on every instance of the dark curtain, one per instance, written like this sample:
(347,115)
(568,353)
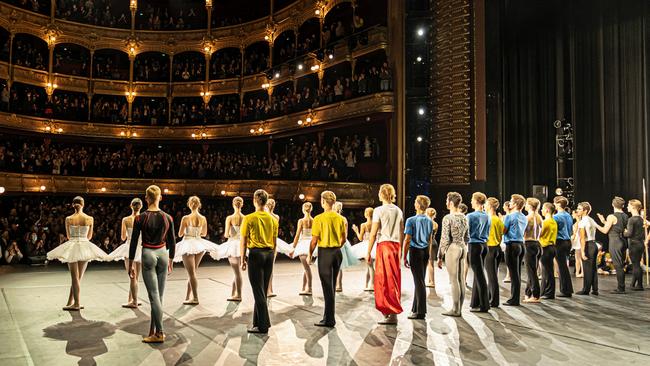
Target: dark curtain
(585,61)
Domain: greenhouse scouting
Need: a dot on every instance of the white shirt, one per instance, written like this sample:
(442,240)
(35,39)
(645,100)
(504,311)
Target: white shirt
(389,217)
(589,225)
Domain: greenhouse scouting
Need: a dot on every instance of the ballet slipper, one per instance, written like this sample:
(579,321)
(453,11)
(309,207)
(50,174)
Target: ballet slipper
(72,308)
(339,290)
(305,293)
(191,302)
(431,285)
(234,299)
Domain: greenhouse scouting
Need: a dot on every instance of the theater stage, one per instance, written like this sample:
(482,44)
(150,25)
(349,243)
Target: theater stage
(609,329)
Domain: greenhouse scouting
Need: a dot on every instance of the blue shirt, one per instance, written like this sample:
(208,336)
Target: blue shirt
(479,227)
(515,224)
(564,225)
(419,227)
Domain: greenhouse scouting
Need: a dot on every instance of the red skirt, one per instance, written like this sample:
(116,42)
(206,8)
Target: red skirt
(388,278)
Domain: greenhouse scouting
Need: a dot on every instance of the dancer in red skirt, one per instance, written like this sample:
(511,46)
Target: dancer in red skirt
(388,230)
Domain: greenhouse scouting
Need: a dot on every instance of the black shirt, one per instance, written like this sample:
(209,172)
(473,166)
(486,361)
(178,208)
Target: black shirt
(157,230)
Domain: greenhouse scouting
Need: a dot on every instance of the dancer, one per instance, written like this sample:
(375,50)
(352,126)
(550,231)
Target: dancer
(453,248)
(635,233)
(506,209)
(301,245)
(77,251)
(479,232)
(588,249)
(190,250)
(361,249)
(158,247)
(547,241)
(259,232)
(281,246)
(614,226)
(514,226)
(575,245)
(433,249)
(328,233)
(533,250)
(122,253)
(495,255)
(230,249)
(388,222)
(348,258)
(563,245)
(417,239)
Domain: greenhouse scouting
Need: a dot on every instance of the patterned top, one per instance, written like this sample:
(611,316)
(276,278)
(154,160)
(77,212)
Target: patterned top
(455,230)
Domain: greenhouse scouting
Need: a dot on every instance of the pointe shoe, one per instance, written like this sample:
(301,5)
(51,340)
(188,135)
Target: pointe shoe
(154,339)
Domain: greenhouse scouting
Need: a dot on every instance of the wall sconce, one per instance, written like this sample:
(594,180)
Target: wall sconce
(199,133)
(49,88)
(52,127)
(130,96)
(128,132)
(133,5)
(208,3)
(206,96)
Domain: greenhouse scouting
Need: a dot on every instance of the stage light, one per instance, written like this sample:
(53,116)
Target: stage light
(203,134)
(299,66)
(103,189)
(301,196)
(2,190)
(299,122)
(308,119)
(419,59)
(260,130)
(42,188)
(419,139)
(166,190)
(223,193)
(277,74)
(252,130)
(558,191)
(193,135)
(420,32)
(331,56)
(59,130)
(421,111)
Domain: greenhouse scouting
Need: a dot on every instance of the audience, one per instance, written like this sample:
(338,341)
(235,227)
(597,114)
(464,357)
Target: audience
(38,6)
(151,68)
(189,14)
(223,109)
(27,54)
(110,109)
(103,13)
(189,67)
(255,62)
(150,111)
(225,64)
(70,106)
(187,111)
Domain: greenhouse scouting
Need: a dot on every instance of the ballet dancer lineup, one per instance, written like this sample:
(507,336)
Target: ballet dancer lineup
(479,240)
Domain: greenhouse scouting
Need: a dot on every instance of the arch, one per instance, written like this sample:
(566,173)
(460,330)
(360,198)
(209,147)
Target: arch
(308,36)
(225,63)
(71,59)
(256,58)
(337,23)
(110,64)
(189,66)
(284,47)
(30,51)
(151,66)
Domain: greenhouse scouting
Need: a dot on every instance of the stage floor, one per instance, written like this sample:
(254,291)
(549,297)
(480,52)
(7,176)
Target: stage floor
(608,329)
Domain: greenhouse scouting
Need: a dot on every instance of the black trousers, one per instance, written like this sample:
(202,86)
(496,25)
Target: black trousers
(480,295)
(533,251)
(514,256)
(418,259)
(548,275)
(329,264)
(260,267)
(590,268)
(562,251)
(617,248)
(636,254)
(492,260)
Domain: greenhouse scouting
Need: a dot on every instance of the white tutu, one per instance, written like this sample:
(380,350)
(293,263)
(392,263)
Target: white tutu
(230,248)
(122,253)
(283,247)
(349,258)
(360,250)
(193,245)
(77,250)
(302,248)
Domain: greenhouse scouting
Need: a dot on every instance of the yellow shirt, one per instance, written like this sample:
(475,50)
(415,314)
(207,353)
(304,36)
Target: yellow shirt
(261,229)
(496,232)
(329,227)
(549,233)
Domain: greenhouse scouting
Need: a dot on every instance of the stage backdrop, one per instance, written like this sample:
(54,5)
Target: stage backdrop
(583,60)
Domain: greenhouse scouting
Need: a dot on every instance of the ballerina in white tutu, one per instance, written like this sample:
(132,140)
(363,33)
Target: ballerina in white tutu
(301,244)
(281,246)
(77,251)
(191,249)
(122,253)
(349,259)
(230,249)
(360,250)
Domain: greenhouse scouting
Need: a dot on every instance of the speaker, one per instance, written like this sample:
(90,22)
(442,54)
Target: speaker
(541,193)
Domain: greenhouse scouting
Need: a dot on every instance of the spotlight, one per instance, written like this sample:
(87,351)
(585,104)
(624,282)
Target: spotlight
(2,190)
(420,32)
(419,139)
(48,128)
(301,196)
(59,130)
(203,134)
(419,59)
(42,188)
(421,111)
(135,134)
(558,191)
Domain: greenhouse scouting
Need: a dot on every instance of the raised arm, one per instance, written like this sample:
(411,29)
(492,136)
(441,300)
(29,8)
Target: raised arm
(607,224)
